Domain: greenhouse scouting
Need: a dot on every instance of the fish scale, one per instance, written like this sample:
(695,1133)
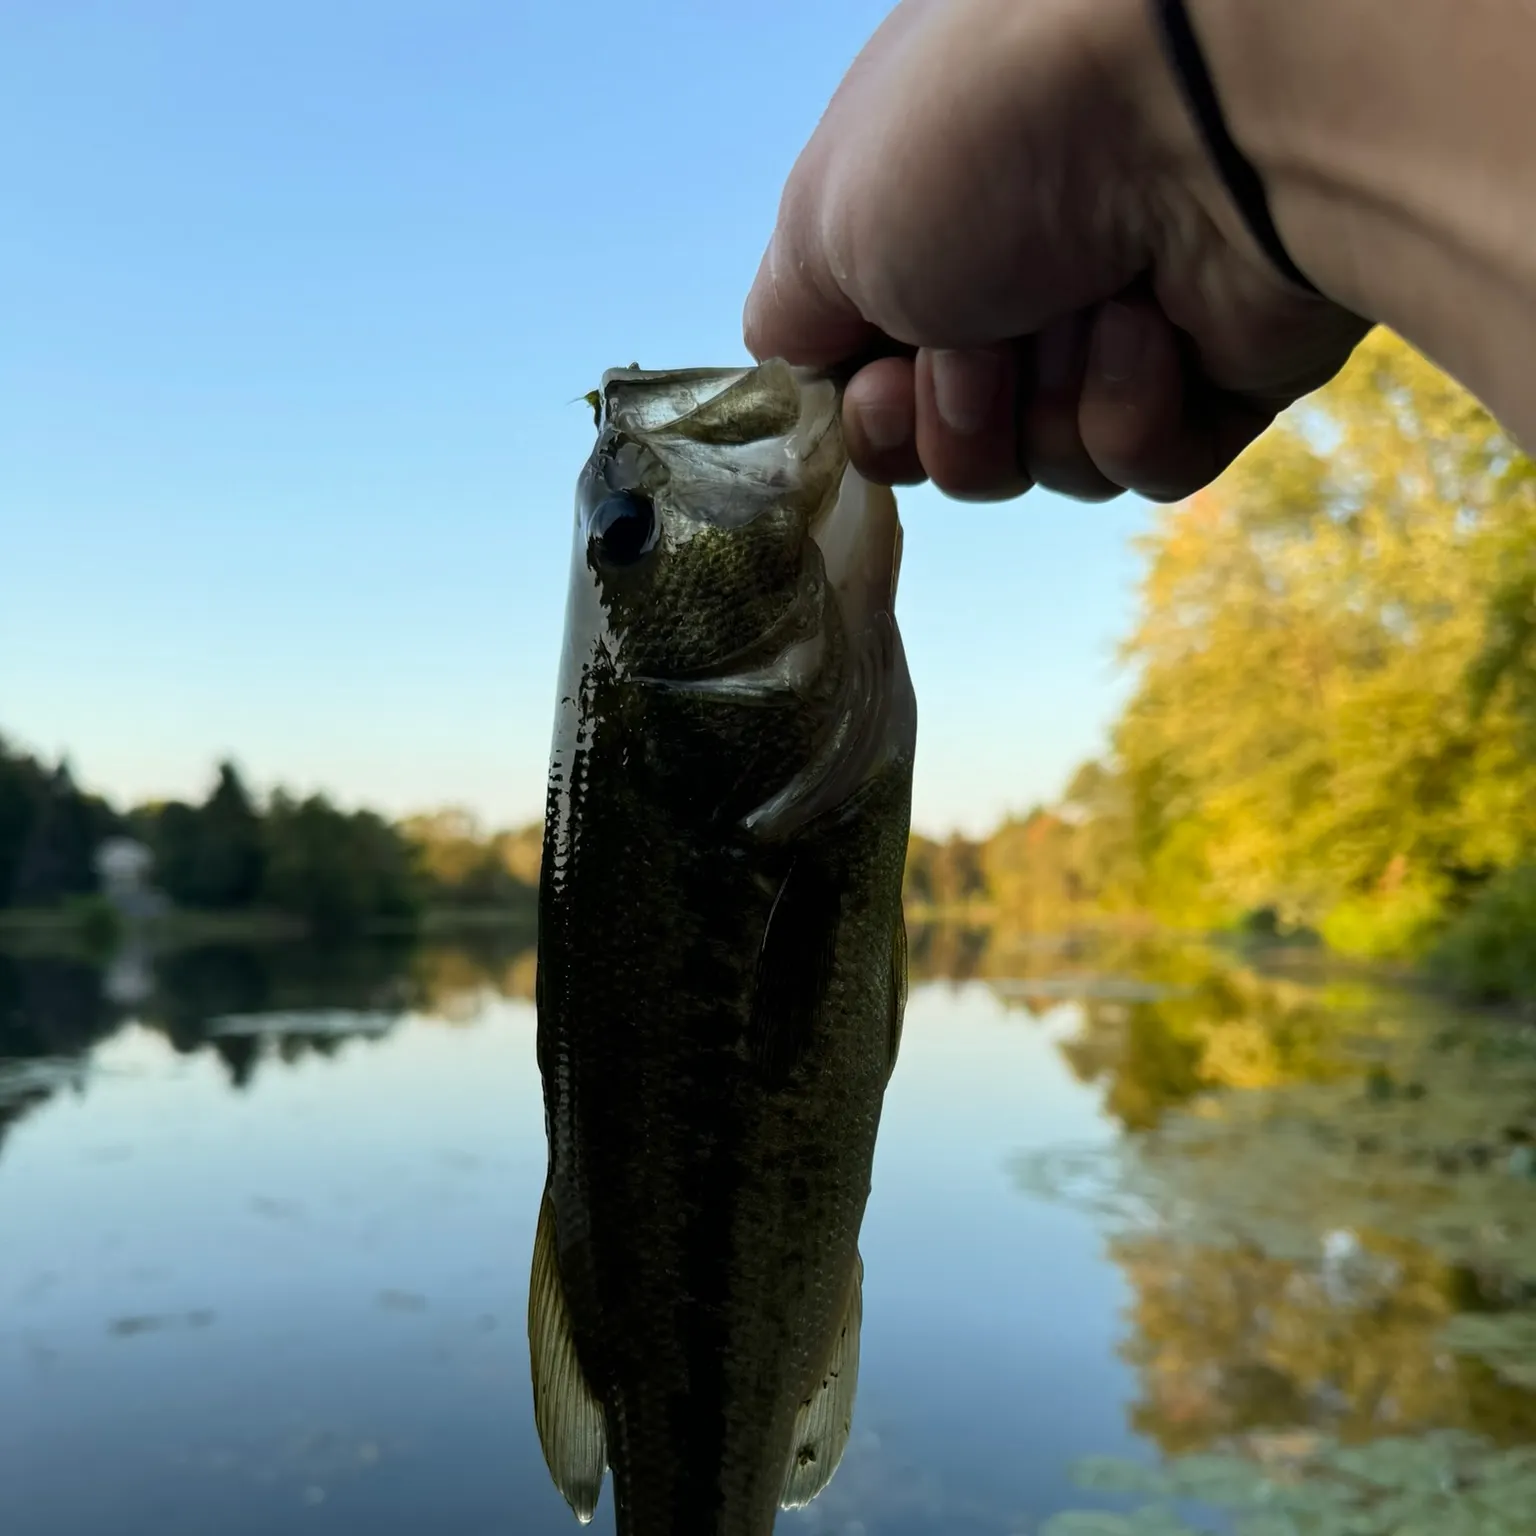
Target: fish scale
(721,953)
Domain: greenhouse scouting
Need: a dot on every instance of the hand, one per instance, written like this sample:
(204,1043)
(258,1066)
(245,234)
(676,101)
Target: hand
(1011,190)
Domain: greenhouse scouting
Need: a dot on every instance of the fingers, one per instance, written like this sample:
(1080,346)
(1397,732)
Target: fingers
(1050,443)
(1146,418)
(880,422)
(946,416)
(967,422)
(1099,404)
(796,311)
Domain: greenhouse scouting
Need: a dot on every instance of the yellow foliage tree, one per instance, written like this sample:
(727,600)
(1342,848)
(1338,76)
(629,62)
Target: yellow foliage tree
(1332,713)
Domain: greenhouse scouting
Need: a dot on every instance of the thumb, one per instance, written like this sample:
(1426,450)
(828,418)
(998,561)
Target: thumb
(797,308)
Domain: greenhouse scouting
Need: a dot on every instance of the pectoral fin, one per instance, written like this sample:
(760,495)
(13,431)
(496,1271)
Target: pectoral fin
(568,1416)
(824,1422)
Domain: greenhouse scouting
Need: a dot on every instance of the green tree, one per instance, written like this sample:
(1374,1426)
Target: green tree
(1331,714)
(212,855)
(341,872)
(57,859)
(23,790)
(170,830)
(230,854)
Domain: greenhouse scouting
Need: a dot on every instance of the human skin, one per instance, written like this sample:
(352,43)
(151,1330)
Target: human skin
(1008,205)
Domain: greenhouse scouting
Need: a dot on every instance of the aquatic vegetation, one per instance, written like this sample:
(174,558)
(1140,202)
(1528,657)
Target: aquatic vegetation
(1333,1274)
(1489,953)
(1505,1341)
(1445,1484)
(1215,1025)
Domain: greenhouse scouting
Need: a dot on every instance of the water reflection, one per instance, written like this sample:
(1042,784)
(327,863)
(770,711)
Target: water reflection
(53,1008)
(263,1233)
(1233,1344)
(1324,1216)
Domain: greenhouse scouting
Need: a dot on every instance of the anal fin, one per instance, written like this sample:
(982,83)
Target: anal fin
(825,1421)
(568,1417)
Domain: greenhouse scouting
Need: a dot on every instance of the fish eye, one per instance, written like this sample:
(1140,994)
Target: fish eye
(622,528)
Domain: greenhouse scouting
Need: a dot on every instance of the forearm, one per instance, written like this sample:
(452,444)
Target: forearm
(1396,142)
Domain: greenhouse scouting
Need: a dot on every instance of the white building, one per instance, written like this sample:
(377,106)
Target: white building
(124,866)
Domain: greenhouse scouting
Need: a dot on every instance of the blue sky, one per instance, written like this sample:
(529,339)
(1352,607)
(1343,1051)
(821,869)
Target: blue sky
(295,301)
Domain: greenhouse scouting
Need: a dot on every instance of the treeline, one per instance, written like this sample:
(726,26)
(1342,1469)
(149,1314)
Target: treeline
(1332,729)
(1333,726)
(49,832)
(1057,866)
(334,871)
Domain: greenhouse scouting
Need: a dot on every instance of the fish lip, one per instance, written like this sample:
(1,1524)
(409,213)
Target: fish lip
(859,533)
(681,377)
(758,427)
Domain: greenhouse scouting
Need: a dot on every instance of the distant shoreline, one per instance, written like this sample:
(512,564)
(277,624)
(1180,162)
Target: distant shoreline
(66,931)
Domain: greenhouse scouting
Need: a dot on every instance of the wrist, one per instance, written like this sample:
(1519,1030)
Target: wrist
(1393,145)
(1308,90)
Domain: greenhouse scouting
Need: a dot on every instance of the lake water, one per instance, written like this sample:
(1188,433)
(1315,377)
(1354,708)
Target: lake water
(266,1215)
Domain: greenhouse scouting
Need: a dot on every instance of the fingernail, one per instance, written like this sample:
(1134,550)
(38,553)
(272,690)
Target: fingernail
(1119,340)
(886,427)
(965,388)
(1055,349)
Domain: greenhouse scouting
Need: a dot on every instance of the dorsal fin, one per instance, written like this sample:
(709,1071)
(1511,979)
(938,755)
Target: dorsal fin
(569,1418)
(825,1419)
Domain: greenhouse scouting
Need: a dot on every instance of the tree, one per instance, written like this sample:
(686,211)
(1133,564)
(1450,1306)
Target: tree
(170,829)
(958,876)
(917,880)
(23,790)
(1029,870)
(340,872)
(212,855)
(57,860)
(1331,713)
(459,865)
(230,854)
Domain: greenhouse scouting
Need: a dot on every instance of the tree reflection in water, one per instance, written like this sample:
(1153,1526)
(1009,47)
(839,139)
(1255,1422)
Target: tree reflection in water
(1320,1196)
(1322,1205)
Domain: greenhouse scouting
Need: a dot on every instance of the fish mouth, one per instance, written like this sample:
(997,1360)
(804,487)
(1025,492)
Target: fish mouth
(763,429)
(722,407)
(859,535)
(642,401)
(768,432)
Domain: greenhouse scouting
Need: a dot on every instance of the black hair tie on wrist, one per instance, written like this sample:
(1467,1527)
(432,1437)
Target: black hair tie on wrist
(1237,171)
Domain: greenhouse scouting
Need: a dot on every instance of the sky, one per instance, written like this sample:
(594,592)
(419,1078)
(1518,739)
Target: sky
(294,304)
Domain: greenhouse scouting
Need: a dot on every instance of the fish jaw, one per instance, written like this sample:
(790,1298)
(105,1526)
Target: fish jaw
(874,723)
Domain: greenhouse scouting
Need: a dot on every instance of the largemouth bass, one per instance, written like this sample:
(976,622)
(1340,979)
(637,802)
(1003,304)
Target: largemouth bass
(722,959)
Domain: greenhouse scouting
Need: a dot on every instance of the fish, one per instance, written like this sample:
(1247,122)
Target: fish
(721,970)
